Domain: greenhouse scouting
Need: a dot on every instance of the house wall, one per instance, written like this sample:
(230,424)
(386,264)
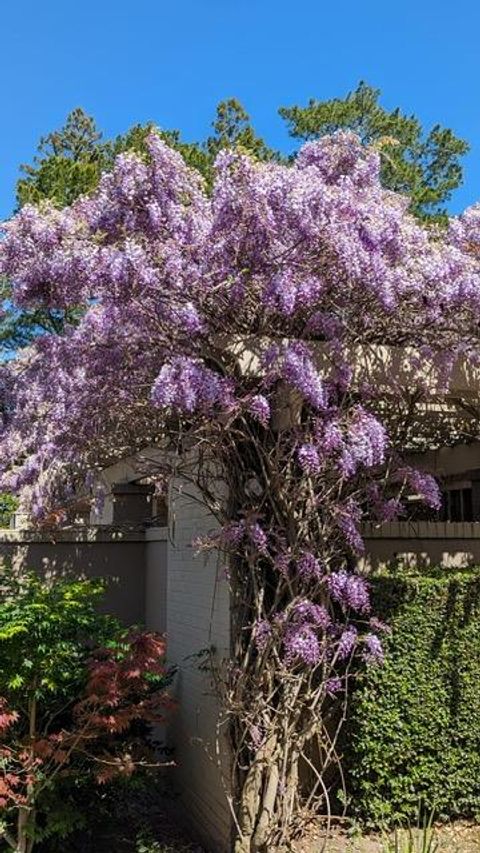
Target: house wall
(449,461)
(198,617)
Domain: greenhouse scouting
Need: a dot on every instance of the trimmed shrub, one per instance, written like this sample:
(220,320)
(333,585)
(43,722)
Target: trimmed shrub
(413,735)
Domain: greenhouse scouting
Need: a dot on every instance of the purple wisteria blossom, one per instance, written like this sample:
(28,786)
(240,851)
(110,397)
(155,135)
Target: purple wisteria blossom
(365,443)
(156,264)
(307,611)
(388,510)
(301,634)
(330,436)
(309,567)
(301,645)
(372,649)
(257,536)
(294,364)
(287,293)
(309,459)
(333,685)
(348,520)
(254,335)
(259,407)
(232,534)
(244,533)
(282,563)
(189,386)
(347,643)
(424,485)
(349,590)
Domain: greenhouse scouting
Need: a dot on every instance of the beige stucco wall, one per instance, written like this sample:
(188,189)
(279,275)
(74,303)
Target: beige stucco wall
(156,579)
(372,363)
(95,552)
(424,543)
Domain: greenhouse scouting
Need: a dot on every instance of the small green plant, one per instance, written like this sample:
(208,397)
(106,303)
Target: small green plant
(421,839)
(147,844)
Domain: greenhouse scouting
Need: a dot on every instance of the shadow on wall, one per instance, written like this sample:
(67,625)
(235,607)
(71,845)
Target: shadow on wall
(421,545)
(117,555)
(398,559)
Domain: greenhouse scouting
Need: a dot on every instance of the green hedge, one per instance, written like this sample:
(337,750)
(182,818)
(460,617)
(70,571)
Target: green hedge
(413,733)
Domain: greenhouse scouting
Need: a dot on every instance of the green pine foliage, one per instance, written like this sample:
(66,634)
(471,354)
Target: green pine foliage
(68,163)
(232,129)
(424,166)
(413,736)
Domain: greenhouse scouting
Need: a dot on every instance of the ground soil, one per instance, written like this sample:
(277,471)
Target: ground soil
(458,837)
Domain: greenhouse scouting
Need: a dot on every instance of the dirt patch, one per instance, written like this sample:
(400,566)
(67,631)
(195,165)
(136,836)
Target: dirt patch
(458,837)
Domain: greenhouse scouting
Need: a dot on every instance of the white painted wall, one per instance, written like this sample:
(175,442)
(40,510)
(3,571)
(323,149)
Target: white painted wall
(198,616)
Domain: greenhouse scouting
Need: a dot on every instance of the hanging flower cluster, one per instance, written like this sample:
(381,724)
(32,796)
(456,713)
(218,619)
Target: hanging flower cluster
(256,330)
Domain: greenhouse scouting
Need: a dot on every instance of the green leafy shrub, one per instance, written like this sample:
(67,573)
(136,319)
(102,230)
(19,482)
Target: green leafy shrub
(414,729)
(8,506)
(77,694)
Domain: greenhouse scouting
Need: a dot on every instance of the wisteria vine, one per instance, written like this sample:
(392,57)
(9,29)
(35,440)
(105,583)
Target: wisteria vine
(255,329)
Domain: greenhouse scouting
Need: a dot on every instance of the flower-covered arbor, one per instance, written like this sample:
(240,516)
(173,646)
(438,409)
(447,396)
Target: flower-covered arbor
(234,328)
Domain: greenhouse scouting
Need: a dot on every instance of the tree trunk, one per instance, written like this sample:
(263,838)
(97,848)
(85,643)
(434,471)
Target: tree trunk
(265,817)
(26,814)
(22,827)
(256,795)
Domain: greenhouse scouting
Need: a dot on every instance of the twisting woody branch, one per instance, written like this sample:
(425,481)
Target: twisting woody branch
(232,327)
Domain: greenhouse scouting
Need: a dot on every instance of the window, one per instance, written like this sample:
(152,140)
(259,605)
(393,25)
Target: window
(457,504)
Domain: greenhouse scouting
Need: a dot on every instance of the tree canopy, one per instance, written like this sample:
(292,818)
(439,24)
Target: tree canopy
(70,161)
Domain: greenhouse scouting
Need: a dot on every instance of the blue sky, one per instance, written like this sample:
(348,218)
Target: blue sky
(127,62)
